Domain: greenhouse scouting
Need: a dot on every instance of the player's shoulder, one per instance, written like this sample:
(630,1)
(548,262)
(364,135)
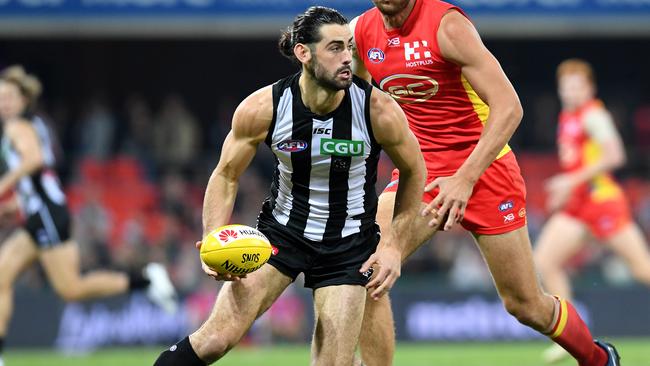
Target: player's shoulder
(18,126)
(254,114)
(596,113)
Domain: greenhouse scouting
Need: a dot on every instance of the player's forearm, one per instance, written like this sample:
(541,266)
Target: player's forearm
(11,178)
(496,134)
(591,171)
(219,201)
(407,206)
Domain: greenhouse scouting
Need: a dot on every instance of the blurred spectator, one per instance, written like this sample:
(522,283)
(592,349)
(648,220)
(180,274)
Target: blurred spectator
(175,134)
(139,140)
(97,129)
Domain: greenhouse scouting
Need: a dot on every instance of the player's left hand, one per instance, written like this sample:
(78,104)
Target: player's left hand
(386,264)
(559,190)
(451,200)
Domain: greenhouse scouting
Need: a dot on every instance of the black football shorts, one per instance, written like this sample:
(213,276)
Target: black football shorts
(326,263)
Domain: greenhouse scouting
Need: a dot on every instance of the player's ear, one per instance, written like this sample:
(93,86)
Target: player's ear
(302,52)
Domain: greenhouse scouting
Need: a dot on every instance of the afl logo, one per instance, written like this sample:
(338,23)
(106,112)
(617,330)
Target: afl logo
(226,235)
(376,56)
(407,89)
(291,146)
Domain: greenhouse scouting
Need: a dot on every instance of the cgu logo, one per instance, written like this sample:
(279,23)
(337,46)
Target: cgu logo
(291,145)
(407,89)
(341,147)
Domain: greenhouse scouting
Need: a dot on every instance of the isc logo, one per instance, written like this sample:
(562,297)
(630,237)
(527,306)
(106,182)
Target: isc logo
(408,89)
(322,131)
(341,147)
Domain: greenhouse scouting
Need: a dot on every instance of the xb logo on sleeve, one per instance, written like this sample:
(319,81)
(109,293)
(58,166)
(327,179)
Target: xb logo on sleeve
(338,147)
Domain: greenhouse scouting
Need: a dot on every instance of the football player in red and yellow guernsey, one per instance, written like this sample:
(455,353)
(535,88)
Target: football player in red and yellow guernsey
(585,199)
(463,109)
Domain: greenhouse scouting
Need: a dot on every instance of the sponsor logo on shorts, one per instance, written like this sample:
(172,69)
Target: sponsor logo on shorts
(508,218)
(274,250)
(227,234)
(338,147)
(506,206)
(292,146)
(376,56)
(522,212)
(368,274)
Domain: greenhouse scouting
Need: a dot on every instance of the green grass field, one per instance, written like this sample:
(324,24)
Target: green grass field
(635,352)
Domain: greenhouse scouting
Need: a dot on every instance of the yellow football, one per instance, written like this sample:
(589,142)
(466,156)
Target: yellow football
(235,249)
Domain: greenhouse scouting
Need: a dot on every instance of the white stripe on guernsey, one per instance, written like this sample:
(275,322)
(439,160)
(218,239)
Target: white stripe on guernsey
(28,200)
(357,175)
(319,184)
(46,143)
(48,223)
(282,131)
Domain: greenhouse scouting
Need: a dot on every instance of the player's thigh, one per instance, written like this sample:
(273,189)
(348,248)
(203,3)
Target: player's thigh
(630,245)
(561,238)
(239,303)
(510,260)
(61,264)
(16,253)
(339,312)
(420,229)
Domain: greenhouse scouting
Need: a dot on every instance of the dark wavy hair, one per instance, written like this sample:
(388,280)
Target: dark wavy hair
(306,29)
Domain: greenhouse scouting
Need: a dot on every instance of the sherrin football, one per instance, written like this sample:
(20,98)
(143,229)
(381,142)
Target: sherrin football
(235,249)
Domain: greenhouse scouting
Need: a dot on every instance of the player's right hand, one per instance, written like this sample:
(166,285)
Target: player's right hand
(216,275)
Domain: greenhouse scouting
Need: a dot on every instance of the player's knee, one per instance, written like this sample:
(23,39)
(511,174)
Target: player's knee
(214,346)
(70,293)
(526,311)
(641,273)
(5,282)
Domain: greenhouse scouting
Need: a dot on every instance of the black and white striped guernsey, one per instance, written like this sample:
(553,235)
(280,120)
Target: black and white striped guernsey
(326,166)
(42,187)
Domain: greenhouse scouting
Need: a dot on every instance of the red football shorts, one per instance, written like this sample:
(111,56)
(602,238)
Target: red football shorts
(498,201)
(604,219)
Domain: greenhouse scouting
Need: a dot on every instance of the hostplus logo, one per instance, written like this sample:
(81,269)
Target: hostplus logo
(417,53)
(338,147)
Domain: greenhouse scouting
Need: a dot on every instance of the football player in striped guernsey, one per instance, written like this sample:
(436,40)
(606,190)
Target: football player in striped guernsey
(44,233)
(326,128)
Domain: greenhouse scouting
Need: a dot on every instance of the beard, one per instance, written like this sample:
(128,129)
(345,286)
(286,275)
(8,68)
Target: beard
(325,79)
(394,8)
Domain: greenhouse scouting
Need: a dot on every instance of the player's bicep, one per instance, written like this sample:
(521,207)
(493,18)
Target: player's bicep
(250,126)
(236,154)
(460,43)
(25,140)
(600,127)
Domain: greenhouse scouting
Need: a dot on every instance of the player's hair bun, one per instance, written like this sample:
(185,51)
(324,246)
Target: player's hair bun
(285,44)
(28,84)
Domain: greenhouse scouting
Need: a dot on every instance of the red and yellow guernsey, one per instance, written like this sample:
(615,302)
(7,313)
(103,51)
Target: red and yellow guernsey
(577,150)
(444,112)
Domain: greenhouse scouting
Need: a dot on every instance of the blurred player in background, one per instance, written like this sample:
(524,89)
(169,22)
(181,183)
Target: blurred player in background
(45,230)
(585,199)
(326,129)
(463,109)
